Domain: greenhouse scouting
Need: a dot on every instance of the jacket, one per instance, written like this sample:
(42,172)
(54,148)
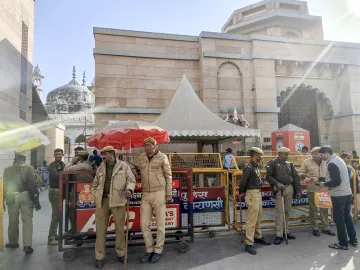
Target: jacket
(122,179)
(81,166)
(284,173)
(354,181)
(337,177)
(54,170)
(251,178)
(19,178)
(156,173)
(310,168)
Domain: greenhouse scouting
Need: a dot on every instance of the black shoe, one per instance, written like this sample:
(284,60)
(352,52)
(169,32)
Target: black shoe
(353,243)
(155,257)
(278,240)
(121,259)
(99,264)
(316,233)
(12,245)
(146,258)
(329,232)
(28,250)
(290,236)
(250,249)
(262,241)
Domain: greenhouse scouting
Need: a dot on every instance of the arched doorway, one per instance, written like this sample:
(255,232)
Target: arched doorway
(304,107)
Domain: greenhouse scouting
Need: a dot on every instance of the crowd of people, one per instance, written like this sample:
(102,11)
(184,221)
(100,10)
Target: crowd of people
(324,170)
(115,180)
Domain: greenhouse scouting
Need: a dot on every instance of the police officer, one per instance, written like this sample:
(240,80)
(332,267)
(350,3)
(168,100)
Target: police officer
(78,163)
(113,185)
(315,168)
(54,169)
(250,184)
(284,181)
(156,181)
(19,179)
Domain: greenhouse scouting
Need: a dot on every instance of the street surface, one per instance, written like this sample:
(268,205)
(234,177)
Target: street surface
(221,252)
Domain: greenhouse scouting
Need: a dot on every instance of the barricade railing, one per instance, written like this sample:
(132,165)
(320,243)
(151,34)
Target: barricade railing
(299,214)
(77,204)
(355,209)
(240,161)
(211,201)
(211,190)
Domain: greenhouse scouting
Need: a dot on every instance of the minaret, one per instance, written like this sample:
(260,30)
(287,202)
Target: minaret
(83,80)
(37,80)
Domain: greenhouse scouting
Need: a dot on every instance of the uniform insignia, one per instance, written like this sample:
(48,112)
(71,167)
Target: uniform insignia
(85,197)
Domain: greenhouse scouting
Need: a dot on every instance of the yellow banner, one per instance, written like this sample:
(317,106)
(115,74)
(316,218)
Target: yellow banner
(1,215)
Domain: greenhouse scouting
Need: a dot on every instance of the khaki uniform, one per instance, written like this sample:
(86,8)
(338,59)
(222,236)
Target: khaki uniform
(251,184)
(85,178)
(54,169)
(310,168)
(156,181)
(286,174)
(114,202)
(18,179)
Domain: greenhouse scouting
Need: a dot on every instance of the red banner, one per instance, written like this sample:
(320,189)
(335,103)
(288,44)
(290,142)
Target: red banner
(85,219)
(85,211)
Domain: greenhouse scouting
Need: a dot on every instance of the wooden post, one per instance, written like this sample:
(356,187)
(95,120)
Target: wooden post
(1,215)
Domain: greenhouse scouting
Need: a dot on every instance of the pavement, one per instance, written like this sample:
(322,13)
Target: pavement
(224,251)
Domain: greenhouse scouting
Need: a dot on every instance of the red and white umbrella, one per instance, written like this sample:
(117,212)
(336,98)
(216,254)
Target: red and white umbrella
(128,134)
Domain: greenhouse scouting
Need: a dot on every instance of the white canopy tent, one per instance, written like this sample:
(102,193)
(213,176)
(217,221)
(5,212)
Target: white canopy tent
(187,119)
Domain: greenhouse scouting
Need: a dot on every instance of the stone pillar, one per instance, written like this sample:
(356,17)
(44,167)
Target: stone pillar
(56,137)
(266,110)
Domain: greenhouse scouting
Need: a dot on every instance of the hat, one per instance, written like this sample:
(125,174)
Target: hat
(283,150)
(82,153)
(150,140)
(20,153)
(257,150)
(315,150)
(228,150)
(107,149)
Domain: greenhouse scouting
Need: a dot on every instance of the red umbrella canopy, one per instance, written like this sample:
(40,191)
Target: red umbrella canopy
(127,134)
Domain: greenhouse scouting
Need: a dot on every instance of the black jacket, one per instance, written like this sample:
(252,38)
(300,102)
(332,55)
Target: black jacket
(284,173)
(251,178)
(54,170)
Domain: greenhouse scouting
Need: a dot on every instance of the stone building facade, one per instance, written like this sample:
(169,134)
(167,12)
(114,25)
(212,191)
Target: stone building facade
(270,62)
(16,54)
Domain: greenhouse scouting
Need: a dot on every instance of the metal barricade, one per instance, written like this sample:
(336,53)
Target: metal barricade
(300,209)
(79,207)
(211,190)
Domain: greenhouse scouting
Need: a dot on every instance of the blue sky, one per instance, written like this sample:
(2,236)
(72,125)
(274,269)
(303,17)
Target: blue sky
(63,29)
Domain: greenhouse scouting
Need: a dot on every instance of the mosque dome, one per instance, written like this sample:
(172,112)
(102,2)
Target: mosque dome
(69,98)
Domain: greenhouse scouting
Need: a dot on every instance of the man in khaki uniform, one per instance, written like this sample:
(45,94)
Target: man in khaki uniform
(284,181)
(54,169)
(18,180)
(314,169)
(78,163)
(250,184)
(113,185)
(156,181)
